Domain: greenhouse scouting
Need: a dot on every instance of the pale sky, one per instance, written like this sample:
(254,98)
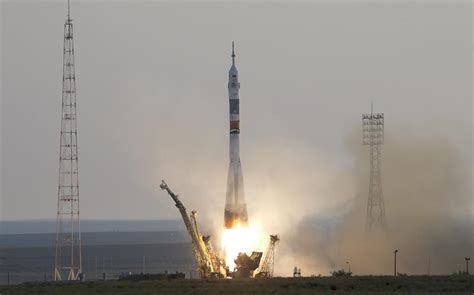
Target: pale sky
(152,92)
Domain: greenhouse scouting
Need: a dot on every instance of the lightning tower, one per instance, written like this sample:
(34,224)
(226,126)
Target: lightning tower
(68,256)
(373,136)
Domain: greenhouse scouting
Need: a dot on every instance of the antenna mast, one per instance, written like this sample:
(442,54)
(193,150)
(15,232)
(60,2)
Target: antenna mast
(68,255)
(373,136)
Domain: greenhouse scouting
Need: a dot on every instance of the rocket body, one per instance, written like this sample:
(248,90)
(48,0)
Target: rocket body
(235,212)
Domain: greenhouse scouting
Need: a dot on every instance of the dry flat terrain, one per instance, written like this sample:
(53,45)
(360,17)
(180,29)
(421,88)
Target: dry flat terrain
(417,285)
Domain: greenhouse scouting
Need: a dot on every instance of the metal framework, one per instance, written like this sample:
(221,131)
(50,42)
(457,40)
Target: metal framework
(268,261)
(373,136)
(68,255)
(209,264)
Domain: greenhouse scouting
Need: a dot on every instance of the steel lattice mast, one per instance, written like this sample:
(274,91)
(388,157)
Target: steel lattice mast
(68,255)
(373,136)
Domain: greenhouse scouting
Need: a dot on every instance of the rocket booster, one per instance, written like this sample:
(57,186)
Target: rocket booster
(235,212)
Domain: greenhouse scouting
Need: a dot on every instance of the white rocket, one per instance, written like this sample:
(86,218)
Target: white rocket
(235,212)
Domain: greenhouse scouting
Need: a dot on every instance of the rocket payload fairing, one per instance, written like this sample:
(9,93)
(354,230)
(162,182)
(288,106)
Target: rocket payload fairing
(235,212)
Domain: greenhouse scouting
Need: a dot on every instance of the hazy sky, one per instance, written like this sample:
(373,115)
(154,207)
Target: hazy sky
(152,93)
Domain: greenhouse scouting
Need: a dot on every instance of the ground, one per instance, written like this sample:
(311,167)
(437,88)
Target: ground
(417,285)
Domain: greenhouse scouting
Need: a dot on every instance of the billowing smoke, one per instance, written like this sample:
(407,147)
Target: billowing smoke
(316,200)
(317,204)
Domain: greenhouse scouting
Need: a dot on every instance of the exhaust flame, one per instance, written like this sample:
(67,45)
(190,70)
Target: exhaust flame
(239,240)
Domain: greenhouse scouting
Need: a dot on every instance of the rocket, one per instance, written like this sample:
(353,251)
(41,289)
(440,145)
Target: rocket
(235,212)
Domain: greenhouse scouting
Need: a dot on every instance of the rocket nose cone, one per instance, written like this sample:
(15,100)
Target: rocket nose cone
(233,71)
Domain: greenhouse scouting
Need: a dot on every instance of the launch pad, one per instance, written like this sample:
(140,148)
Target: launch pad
(211,264)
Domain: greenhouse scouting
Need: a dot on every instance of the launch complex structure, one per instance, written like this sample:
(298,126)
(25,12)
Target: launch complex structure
(211,264)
